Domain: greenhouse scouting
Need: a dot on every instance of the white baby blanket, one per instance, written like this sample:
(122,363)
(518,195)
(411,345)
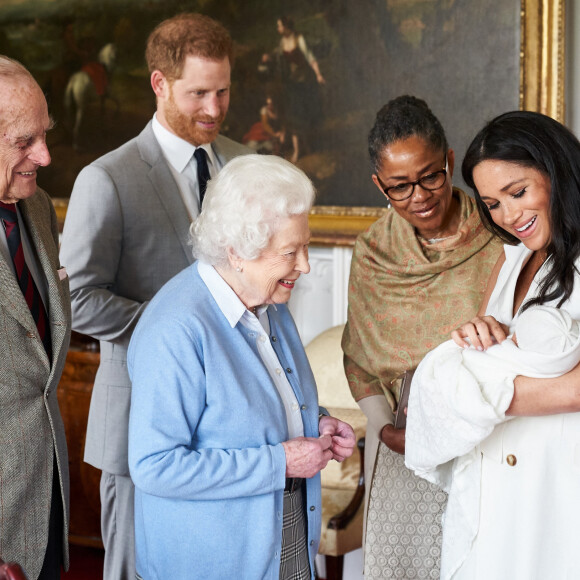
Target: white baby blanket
(457,398)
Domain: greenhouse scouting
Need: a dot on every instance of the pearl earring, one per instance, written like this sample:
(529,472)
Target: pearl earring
(238,269)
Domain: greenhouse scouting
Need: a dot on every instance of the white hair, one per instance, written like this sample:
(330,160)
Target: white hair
(244,204)
(13,76)
(10,68)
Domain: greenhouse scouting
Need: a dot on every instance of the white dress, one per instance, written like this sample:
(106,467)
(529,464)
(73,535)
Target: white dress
(529,526)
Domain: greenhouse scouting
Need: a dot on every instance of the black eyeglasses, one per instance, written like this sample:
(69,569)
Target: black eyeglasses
(404,191)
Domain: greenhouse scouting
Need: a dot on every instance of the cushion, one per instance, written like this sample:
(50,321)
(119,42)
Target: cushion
(325,355)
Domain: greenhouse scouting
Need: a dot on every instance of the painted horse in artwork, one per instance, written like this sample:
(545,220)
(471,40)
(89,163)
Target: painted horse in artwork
(87,85)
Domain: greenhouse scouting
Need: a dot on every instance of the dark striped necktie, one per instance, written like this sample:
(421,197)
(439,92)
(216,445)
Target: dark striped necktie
(203,175)
(31,294)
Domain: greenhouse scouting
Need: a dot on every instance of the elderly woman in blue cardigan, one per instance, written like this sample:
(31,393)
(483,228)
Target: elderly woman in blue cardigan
(226,438)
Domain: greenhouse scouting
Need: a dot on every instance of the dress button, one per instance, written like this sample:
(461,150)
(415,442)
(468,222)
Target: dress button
(312,508)
(304,407)
(289,370)
(312,542)
(262,339)
(278,371)
(511,460)
(30,335)
(273,339)
(295,406)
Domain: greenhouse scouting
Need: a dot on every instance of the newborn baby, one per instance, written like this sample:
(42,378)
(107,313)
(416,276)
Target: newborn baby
(458,397)
(459,394)
(546,330)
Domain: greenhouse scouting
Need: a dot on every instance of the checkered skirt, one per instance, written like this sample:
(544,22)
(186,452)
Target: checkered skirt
(294,563)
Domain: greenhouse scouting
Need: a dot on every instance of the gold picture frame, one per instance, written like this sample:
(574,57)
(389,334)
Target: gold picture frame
(542,54)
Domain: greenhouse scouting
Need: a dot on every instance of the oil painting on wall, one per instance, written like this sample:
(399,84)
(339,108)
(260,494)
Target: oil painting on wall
(309,77)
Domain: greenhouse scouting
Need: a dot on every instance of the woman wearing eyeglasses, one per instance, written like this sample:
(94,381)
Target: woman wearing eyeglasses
(416,274)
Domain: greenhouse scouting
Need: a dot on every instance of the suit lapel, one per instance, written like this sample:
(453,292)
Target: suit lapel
(165,187)
(225,149)
(38,226)
(218,152)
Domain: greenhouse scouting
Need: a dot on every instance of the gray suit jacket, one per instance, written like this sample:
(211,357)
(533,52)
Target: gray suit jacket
(125,235)
(31,428)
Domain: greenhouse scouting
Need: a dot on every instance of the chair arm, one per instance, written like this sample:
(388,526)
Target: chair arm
(341,520)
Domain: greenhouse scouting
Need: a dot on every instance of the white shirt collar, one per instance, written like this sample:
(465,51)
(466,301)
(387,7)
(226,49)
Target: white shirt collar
(226,299)
(178,151)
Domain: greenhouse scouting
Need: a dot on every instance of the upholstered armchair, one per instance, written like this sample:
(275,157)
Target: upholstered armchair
(342,483)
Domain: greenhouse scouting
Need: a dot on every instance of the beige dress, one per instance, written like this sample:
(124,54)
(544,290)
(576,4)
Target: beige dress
(403,534)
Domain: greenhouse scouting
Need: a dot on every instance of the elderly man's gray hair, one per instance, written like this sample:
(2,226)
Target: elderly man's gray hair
(12,68)
(244,204)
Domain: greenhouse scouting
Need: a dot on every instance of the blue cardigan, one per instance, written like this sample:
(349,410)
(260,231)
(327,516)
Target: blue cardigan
(205,434)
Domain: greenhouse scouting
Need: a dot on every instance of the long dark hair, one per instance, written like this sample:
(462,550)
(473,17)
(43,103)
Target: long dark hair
(537,141)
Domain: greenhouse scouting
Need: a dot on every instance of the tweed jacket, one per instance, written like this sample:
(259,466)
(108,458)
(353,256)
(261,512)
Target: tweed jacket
(31,427)
(125,235)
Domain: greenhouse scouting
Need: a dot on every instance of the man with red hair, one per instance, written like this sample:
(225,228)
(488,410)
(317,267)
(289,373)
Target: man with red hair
(126,234)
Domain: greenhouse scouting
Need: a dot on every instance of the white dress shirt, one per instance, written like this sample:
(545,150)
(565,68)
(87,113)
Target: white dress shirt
(182,164)
(235,311)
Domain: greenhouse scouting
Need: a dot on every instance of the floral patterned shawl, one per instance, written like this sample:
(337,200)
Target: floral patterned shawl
(406,295)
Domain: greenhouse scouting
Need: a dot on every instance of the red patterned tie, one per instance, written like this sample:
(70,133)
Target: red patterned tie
(25,281)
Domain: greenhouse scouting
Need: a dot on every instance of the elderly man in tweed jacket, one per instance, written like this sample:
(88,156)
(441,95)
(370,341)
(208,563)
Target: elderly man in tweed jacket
(34,338)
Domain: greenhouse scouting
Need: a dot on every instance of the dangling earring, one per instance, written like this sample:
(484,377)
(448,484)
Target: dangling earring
(389,204)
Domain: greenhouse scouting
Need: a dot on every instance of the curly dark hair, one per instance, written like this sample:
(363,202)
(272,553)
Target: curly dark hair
(401,118)
(538,141)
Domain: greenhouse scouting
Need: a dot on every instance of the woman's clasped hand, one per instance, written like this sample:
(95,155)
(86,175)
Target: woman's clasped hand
(306,456)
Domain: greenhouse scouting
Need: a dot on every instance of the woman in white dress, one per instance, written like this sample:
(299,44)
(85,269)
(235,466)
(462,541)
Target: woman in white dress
(524,168)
